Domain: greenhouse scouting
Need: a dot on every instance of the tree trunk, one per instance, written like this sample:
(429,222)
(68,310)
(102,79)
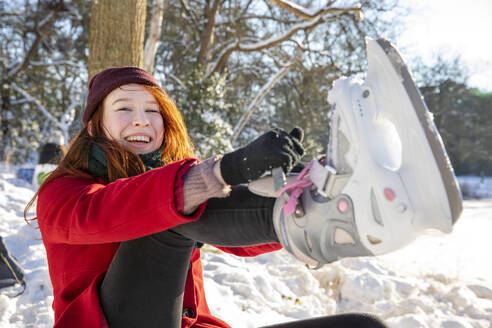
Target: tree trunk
(116,34)
(154,34)
(208,34)
(4,122)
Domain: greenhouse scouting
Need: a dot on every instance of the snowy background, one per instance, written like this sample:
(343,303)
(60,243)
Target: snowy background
(438,281)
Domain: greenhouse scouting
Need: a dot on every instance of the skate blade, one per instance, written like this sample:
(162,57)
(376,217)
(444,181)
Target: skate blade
(380,53)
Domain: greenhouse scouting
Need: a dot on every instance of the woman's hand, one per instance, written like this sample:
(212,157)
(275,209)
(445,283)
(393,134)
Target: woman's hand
(276,148)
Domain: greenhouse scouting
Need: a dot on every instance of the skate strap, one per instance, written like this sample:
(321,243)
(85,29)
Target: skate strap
(294,189)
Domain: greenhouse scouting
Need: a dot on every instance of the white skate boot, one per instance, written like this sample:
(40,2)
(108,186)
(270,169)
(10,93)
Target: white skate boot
(386,176)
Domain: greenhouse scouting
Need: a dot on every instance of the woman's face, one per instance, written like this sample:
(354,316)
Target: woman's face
(132,116)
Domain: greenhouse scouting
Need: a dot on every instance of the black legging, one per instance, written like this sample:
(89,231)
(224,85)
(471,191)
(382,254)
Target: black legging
(145,283)
(347,320)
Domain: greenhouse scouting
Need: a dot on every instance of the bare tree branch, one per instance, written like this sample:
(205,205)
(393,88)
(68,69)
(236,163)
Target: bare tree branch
(308,49)
(193,15)
(54,63)
(310,14)
(63,126)
(250,47)
(69,114)
(245,10)
(11,13)
(44,26)
(315,18)
(261,94)
(260,17)
(176,79)
(208,33)
(34,100)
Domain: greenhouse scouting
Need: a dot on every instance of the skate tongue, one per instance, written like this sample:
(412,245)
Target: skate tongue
(329,184)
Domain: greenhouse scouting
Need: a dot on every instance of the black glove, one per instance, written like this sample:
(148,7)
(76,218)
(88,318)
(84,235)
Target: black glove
(276,148)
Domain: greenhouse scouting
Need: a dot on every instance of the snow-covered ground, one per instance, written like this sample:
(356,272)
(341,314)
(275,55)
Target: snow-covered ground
(438,281)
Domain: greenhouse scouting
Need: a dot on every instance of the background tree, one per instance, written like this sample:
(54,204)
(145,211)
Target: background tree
(462,115)
(219,59)
(215,57)
(116,34)
(42,52)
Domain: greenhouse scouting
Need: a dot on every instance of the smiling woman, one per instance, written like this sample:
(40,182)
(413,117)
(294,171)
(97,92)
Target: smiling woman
(124,214)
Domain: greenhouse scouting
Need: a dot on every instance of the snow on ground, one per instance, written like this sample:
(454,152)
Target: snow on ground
(438,281)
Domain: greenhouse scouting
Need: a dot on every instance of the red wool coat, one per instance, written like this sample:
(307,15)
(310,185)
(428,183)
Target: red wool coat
(82,223)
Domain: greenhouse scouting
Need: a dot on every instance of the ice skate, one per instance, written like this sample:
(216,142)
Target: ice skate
(386,176)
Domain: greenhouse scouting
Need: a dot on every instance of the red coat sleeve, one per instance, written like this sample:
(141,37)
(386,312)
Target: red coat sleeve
(178,186)
(80,211)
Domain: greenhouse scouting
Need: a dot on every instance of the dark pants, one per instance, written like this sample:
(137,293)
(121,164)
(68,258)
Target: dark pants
(145,282)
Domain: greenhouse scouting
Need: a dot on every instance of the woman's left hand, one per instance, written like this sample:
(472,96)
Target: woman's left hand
(276,148)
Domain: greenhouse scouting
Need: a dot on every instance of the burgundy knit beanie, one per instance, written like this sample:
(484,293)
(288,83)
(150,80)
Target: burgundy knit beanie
(109,79)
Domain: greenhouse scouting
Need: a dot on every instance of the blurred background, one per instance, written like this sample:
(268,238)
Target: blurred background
(236,67)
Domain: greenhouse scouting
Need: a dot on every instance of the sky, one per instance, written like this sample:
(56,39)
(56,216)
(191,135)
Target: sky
(451,27)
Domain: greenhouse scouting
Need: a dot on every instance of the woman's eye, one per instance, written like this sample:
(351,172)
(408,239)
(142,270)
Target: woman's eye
(152,111)
(123,109)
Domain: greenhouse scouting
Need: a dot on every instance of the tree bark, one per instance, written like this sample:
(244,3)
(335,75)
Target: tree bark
(116,34)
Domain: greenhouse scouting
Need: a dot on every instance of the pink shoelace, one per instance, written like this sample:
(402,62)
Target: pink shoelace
(295,189)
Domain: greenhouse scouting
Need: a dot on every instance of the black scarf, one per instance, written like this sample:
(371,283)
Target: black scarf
(98,162)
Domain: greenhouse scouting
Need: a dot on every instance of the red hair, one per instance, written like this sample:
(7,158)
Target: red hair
(122,163)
